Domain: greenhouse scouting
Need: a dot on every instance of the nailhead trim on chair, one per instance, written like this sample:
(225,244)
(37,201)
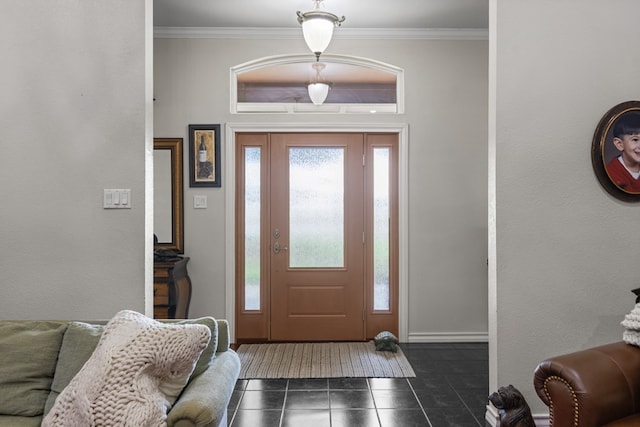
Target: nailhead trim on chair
(573,394)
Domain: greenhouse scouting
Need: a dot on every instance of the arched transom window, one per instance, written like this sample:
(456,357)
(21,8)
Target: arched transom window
(279,84)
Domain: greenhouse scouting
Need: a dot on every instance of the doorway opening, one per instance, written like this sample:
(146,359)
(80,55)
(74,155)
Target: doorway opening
(230,132)
(316,235)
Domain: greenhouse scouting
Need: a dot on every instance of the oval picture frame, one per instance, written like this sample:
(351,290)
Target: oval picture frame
(603,150)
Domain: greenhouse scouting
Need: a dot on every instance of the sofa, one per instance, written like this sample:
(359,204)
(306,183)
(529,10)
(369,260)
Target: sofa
(40,361)
(594,387)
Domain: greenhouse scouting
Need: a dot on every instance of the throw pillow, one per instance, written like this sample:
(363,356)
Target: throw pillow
(78,344)
(631,323)
(80,340)
(135,374)
(208,353)
(28,354)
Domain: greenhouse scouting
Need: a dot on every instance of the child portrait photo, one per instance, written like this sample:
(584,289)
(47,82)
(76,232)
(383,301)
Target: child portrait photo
(616,151)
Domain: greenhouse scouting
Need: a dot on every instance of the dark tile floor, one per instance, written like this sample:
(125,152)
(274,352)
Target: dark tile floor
(450,390)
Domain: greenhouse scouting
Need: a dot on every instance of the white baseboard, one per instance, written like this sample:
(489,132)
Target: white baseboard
(491,416)
(493,419)
(434,337)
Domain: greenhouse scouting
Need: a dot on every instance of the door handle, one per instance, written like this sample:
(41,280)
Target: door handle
(277,248)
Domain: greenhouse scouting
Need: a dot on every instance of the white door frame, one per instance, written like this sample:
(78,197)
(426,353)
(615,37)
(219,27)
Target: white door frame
(403,207)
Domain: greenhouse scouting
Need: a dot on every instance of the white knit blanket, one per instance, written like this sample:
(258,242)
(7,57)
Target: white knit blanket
(135,374)
(631,323)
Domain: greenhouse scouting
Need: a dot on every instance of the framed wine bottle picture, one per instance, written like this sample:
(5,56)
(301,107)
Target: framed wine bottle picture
(204,156)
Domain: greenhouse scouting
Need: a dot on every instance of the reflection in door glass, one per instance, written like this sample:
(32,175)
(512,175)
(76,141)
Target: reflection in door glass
(316,207)
(252,228)
(381,218)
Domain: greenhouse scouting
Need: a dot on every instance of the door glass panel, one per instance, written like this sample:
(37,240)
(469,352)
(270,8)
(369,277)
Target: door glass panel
(252,228)
(316,207)
(381,218)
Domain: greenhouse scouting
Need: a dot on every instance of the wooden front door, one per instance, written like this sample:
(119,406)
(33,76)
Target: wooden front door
(316,259)
(316,236)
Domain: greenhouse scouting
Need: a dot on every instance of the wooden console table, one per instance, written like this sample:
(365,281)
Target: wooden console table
(171,289)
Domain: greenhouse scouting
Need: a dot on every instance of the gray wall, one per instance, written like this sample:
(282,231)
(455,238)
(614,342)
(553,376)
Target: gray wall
(72,123)
(562,251)
(446,110)
(565,251)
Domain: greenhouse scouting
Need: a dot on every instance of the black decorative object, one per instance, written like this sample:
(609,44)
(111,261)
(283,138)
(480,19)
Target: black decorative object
(512,407)
(386,341)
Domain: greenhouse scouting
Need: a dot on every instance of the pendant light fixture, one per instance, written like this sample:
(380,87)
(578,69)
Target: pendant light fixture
(318,90)
(317,28)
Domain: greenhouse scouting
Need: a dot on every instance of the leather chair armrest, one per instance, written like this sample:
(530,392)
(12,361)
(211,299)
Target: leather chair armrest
(591,387)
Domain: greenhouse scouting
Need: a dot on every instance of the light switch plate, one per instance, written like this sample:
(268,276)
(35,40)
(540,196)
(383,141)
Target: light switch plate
(117,198)
(200,202)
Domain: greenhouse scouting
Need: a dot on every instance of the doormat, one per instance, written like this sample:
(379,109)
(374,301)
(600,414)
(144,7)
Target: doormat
(321,360)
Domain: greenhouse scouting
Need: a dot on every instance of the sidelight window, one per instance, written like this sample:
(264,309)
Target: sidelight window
(381,229)
(252,192)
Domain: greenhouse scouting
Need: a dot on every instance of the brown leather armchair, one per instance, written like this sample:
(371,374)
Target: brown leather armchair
(595,387)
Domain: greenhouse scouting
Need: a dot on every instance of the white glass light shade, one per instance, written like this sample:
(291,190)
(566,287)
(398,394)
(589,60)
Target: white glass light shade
(318,92)
(317,32)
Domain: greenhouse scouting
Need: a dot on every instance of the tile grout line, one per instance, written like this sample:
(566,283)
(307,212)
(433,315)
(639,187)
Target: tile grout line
(419,403)
(235,411)
(463,402)
(284,403)
(375,404)
(329,402)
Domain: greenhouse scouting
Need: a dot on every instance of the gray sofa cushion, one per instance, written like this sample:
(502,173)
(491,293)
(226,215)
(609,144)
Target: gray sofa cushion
(17,421)
(28,355)
(78,344)
(210,352)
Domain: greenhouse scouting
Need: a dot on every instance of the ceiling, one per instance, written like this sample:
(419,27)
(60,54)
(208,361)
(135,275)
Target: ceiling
(420,14)
(381,18)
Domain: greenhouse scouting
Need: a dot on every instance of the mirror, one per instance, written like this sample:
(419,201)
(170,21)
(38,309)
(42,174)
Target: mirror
(168,205)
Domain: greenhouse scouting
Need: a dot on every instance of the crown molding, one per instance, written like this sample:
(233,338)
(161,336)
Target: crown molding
(343,33)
